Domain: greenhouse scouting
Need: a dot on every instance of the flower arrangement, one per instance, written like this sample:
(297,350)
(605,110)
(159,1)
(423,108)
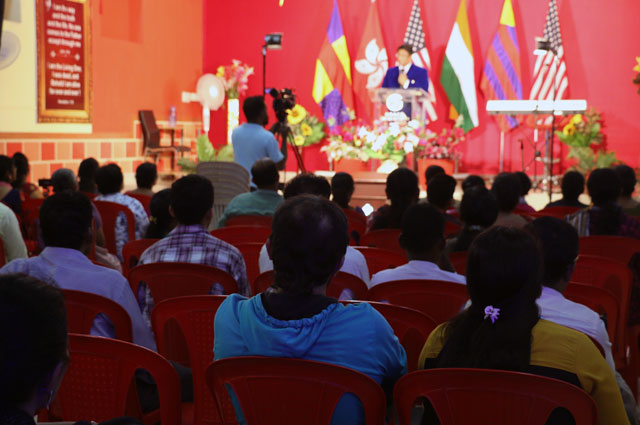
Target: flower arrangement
(444,145)
(637,69)
(347,141)
(306,128)
(236,78)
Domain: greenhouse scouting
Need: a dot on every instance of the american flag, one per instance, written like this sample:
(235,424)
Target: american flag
(414,36)
(546,68)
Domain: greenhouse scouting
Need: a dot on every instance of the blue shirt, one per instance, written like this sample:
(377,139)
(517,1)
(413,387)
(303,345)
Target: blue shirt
(259,202)
(252,142)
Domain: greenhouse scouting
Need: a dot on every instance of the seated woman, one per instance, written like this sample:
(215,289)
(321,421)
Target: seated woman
(502,328)
(161,221)
(28,190)
(87,176)
(342,187)
(628,181)
(478,211)
(507,189)
(9,195)
(402,191)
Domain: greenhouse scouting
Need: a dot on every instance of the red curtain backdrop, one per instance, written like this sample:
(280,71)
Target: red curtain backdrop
(600,42)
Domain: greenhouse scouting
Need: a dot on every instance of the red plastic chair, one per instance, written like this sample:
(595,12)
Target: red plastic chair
(109,212)
(91,196)
(496,397)
(98,381)
(459,261)
(559,212)
(618,248)
(381,259)
(357,225)
(83,307)
(251,253)
(249,220)
(145,200)
(287,391)
(451,229)
(242,234)
(131,252)
(436,298)
(340,282)
(194,316)
(383,239)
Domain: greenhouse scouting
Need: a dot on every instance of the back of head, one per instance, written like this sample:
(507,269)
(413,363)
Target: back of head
(402,186)
(525,182)
(478,207)
(109,179)
(6,169)
(422,228)
(342,187)
(440,191)
(65,220)
(572,185)
(307,183)
(506,188)
(432,171)
(472,181)
(87,169)
(308,241)
(33,336)
(146,175)
(64,179)
(253,108)
(160,221)
(191,198)
(627,178)
(604,186)
(265,173)
(21,163)
(503,272)
(559,243)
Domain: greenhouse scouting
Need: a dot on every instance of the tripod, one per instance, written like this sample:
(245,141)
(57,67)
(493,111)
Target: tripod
(283,134)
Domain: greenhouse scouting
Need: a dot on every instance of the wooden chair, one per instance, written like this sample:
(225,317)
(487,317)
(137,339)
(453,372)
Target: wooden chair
(131,252)
(381,259)
(242,234)
(228,179)
(151,138)
(110,212)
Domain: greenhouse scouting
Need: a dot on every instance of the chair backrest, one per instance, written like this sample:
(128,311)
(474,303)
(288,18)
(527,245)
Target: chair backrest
(617,248)
(383,239)
(451,228)
(279,391)
(559,212)
(150,131)
(249,220)
(357,225)
(459,261)
(97,382)
(498,397)
(171,280)
(194,316)
(251,253)
(83,307)
(145,200)
(436,298)
(339,283)
(381,259)
(109,212)
(30,216)
(131,252)
(242,234)
(228,179)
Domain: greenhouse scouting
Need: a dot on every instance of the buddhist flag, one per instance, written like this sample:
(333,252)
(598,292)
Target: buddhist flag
(332,82)
(371,62)
(457,76)
(501,77)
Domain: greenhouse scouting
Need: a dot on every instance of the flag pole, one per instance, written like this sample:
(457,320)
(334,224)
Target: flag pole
(501,151)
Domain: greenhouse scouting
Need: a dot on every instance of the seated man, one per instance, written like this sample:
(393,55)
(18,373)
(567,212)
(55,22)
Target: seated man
(191,203)
(422,238)
(146,177)
(65,220)
(297,319)
(440,194)
(263,201)
(572,187)
(109,180)
(14,246)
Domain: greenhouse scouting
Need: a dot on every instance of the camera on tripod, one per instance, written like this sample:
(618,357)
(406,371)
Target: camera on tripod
(282,101)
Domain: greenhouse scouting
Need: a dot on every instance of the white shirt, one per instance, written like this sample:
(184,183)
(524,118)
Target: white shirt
(554,307)
(71,269)
(10,234)
(416,269)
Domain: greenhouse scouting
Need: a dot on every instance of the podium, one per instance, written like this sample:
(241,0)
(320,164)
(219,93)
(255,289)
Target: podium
(393,104)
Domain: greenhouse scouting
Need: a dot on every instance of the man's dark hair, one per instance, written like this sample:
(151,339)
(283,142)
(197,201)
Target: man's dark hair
(191,199)
(6,168)
(253,107)
(402,190)
(406,47)
(472,181)
(572,185)
(307,183)
(308,241)
(265,173)
(65,219)
(87,174)
(162,220)
(604,186)
(478,211)
(21,163)
(109,179)
(146,175)
(33,335)
(559,243)
(432,171)
(422,228)
(440,190)
(506,188)
(342,187)
(627,178)
(63,179)
(525,182)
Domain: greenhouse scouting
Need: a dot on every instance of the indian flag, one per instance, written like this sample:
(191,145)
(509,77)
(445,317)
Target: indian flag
(457,76)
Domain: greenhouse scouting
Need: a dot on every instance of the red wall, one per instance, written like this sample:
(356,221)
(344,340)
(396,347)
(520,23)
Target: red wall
(600,41)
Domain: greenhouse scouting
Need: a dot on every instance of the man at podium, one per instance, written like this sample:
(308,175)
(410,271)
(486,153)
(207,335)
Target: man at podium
(406,75)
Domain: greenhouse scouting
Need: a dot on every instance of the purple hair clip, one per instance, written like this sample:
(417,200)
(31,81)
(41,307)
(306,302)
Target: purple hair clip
(491,312)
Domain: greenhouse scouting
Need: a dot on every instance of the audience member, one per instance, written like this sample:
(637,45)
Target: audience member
(422,238)
(65,220)
(191,203)
(572,187)
(263,201)
(605,217)
(9,195)
(297,319)
(478,211)
(440,194)
(251,141)
(402,190)
(109,180)
(354,261)
(628,181)
(501,329)
(27,189)
(342,187)
(472,181)
(525,187)
(432,171)
(87,175)
(146,178)
(12,241)
(506,188)
(161,221)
